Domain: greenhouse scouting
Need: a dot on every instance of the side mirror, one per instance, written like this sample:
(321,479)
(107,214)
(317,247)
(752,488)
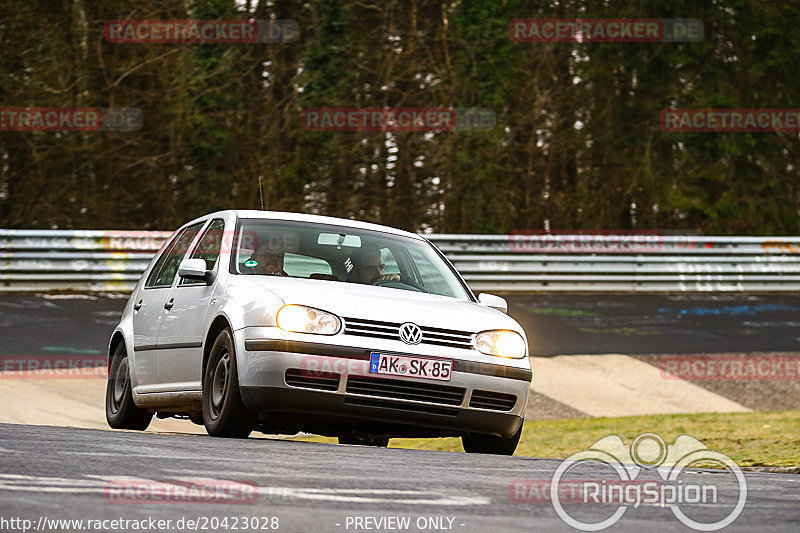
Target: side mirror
(194,269)
(495,302)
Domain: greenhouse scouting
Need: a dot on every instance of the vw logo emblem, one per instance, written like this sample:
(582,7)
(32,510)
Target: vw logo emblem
(410,333)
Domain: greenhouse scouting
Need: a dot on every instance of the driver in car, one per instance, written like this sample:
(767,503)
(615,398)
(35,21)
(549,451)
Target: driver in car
(269,261)
(368,267)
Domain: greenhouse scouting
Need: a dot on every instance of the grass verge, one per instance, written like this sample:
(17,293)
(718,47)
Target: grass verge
(763,438)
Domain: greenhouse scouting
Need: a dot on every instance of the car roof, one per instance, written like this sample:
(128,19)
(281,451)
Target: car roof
(319,219)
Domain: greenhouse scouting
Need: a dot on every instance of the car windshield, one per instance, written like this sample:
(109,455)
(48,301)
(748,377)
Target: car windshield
(343,254)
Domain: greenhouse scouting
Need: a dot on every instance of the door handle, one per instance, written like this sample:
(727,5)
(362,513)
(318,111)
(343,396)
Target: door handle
(169,303)
(138,305)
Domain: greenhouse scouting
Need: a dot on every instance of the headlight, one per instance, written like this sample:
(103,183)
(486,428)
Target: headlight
(502,343)
(302,319)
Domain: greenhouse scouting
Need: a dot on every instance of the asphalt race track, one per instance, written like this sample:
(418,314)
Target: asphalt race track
(63,473)
(559,324)
(555,323)
(59,473)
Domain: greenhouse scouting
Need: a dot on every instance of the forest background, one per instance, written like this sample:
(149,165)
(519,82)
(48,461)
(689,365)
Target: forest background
(577,145)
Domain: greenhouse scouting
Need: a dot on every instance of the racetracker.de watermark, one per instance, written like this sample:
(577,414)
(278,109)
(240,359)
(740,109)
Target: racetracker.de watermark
(201,31)
(614,30)
(598,241)
(730,120)
(634,492)
(320,366)
(145,491)
(224,241)
(731,368)
(70,119)
(139,241)
(54,366)
(398,119)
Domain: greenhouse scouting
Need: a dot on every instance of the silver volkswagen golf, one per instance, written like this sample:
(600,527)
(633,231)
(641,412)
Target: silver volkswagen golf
(283,322)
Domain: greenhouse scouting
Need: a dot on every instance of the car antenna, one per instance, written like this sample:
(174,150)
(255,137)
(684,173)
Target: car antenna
(260,193)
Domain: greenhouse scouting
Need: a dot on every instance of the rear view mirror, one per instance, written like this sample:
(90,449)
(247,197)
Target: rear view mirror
(339,239)
(194,269)
(495,302)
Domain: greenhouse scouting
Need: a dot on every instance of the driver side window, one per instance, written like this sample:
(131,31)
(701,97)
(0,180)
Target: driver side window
(208,248)
(387,257)
(169,264)
(431,278)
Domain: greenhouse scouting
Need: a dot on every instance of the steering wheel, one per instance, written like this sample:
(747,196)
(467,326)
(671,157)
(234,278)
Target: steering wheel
(406,280)
(395,285)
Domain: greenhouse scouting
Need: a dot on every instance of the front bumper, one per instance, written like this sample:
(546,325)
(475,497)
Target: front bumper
(328,390)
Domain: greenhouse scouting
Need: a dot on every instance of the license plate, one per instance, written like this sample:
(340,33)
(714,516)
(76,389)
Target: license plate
(410,366)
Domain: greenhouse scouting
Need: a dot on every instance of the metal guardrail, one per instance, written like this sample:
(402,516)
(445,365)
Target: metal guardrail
(629,263)
(41,260)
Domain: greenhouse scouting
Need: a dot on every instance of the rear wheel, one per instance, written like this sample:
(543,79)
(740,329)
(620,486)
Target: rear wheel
(121,412)
(224,413)
(479,443)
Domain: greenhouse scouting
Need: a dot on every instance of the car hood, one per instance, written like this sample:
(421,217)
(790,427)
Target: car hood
(386,304)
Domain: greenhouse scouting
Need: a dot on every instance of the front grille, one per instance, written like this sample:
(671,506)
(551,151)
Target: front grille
(388,404)
(296,377)
(405,390)
(391,330)
(496,401)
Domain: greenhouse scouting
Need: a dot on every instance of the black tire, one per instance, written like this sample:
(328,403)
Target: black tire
(224,413)
(121,412)
(364,440)
(479,443)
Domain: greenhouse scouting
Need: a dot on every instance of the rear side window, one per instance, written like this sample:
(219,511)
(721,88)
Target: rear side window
(167,265)
(208,248)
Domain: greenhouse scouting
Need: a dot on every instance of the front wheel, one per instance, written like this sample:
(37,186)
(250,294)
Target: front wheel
(478,443)
(224,413)
(121,412)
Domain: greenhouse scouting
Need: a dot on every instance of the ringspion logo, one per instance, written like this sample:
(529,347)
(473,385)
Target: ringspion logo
(720,504)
